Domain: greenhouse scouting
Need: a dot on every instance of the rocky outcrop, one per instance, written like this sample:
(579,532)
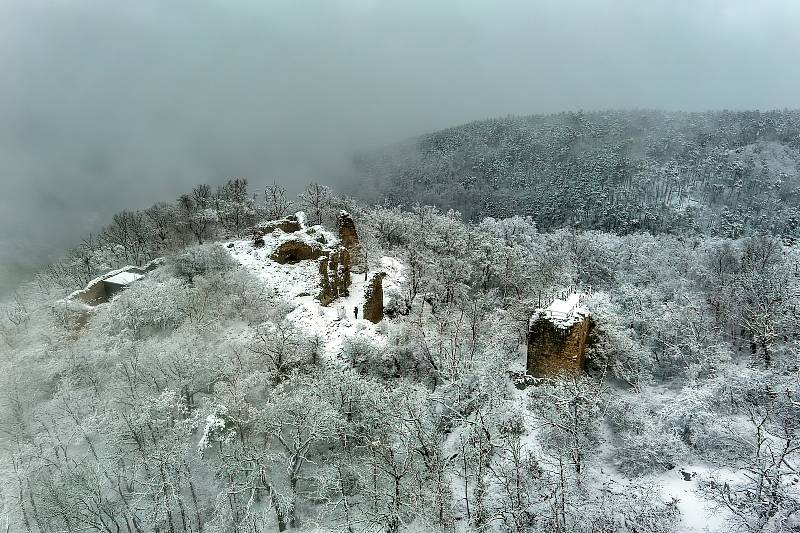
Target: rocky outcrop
(349,238)
(296,250)
(289,224)
(373,298)
(557,339)
(334,273)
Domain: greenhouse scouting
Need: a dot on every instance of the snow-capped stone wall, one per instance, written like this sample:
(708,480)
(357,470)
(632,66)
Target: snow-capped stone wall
(101,289)
(557,338)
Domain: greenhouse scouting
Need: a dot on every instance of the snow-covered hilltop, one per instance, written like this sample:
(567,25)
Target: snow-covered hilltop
(292,261)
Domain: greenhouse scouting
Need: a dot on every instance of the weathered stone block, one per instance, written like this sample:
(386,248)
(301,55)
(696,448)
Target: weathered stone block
(553,349)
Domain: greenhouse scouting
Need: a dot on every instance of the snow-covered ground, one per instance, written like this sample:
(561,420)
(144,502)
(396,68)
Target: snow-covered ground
(697,514)
(299,284)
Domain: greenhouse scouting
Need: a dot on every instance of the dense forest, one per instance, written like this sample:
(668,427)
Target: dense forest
(715,173)
(196,401)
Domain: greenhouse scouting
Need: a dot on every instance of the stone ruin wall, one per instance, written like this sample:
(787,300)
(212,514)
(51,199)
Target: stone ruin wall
(334,273)
(94,294)
(288,224)
(553,350)
(99,291)
(294,251)
(335,265)
(373,298)
(349,239)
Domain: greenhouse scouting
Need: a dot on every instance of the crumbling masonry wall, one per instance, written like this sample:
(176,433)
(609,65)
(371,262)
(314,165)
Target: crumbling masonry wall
(555,350)
(334,260)
(101,290)
(349,238)
(289,224)
(334,273)
(373,298)
(296,250)
(94,294)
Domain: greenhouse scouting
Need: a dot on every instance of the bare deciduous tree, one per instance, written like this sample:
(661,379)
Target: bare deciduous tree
(316,199)
(276,203)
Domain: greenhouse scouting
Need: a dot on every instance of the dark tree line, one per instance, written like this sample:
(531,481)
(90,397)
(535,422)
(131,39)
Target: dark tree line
(722,173)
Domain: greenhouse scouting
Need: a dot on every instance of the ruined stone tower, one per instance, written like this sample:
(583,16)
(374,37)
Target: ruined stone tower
(349,239)
(557,338)
(373,298)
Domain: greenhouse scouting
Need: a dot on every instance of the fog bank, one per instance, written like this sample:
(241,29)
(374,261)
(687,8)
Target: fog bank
(113,105)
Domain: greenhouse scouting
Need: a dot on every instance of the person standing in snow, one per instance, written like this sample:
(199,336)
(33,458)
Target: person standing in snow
(355,311)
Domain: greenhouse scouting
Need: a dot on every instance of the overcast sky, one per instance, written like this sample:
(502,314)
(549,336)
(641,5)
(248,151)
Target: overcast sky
(112,104)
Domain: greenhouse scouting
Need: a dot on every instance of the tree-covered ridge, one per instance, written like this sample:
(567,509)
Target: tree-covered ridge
(204,214)
(722,173)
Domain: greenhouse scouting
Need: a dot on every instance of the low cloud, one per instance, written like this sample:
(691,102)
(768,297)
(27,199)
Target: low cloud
(112,105)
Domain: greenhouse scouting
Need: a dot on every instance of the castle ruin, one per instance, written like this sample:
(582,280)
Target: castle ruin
(557,338)
(334,273)
(100,290)
(335,260)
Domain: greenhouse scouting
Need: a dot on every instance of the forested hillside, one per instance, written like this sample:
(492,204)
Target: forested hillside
(303,267)
(216,394)
(716,173)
